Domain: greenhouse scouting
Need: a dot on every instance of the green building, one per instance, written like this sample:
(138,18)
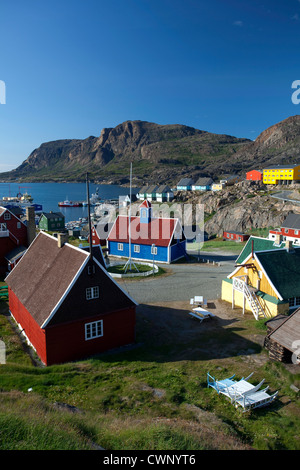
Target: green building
(52,221)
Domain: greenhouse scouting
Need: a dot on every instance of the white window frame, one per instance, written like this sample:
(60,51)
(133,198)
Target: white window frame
(7,216)
(18,224)
(91,269)
(120,246)
(92,293)
(293,302)
(93,330)
(136,248)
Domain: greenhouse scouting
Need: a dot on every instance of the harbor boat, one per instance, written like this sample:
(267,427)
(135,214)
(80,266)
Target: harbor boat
(68,203)
(24,197)
(94,199)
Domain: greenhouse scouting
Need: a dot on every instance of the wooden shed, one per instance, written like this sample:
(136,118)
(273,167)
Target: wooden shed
(235,236)
(283,338)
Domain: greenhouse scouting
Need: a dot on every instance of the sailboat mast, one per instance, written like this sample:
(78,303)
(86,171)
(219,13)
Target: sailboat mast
(89,213)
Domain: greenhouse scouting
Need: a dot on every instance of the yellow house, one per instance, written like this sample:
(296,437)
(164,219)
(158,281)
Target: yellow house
(217,186)
(281,174)
(266,283)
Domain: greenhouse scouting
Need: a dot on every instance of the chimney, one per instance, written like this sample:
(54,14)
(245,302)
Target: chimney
(289,246)
(30,218)
(62,238)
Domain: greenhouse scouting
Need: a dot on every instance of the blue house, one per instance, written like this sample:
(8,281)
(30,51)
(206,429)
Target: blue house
(151,239)
(202,184)
(185,184)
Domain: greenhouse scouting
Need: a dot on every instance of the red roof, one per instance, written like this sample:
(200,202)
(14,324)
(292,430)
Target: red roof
(158,231)
(146,203)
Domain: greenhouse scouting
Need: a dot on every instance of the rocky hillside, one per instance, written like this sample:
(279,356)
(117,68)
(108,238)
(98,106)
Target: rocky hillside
(160,154)
(243,207)
(277,145)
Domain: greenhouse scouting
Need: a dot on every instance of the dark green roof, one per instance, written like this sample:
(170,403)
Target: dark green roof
(283,269)
(259,244)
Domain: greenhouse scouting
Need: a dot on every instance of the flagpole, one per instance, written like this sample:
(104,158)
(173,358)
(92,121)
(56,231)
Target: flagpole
(129,262)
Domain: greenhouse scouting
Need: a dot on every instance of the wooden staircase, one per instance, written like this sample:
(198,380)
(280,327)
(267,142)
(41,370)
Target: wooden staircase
(249,293)
(254,303)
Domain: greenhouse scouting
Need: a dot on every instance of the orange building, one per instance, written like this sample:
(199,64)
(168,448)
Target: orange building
(254,175)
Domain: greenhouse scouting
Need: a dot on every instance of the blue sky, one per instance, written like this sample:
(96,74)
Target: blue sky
(73,67)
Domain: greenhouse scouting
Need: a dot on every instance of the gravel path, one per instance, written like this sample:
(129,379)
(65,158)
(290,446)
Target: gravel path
(183,281)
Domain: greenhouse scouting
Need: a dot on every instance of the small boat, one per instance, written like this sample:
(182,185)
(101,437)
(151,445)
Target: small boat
(68,203)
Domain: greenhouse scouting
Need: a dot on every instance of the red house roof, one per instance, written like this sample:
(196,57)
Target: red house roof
(46,282)
(158,231)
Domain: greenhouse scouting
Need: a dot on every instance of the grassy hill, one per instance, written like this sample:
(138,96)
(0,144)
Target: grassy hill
(143,397)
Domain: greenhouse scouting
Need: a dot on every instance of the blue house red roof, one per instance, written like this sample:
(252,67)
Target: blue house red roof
(158,231)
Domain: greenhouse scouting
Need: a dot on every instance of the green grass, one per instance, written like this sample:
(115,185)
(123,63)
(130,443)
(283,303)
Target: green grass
(217,244)
(120,269)
(153,396)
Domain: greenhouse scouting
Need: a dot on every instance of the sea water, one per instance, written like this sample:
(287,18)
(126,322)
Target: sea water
(50,194)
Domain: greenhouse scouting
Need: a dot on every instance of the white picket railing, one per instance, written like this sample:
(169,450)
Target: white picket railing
(241,285)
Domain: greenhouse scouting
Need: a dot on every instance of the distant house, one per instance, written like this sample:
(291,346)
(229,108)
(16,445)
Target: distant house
(266,279)
(281,174)
(185,184)
(100,233)
(236,236)
(282,340)
(290,230)
(202,184)
(142,193)
(52,221)
(159,239)
(230,180)
(15,236)
(124,201)
(151,193)
(217,186)
(66,303)
(254,175)
(164,194)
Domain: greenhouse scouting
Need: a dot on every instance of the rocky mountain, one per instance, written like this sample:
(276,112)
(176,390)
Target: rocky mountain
(160,154)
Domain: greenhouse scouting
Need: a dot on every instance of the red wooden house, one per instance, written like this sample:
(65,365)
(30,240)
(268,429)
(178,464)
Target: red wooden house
(66,303)
(254,175)
(289,230)
(100,233)
(13,239)
(235,236)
